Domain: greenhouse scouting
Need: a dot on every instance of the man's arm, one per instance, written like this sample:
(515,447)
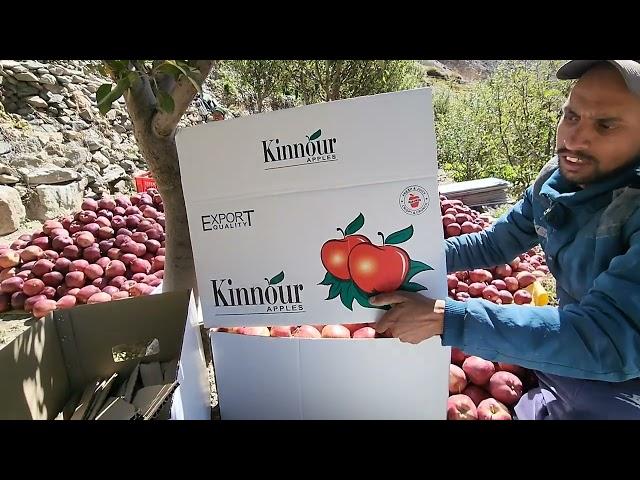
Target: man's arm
(513,234)
(597,339)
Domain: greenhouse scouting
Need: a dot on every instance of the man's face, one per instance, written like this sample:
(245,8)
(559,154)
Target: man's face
(599,130)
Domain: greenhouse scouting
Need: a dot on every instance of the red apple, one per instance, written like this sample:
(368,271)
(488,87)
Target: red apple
(457,379)
(478,370)
(461,407)
(505,387)
(491,409)
(378,269)
(335,254)
(476,394)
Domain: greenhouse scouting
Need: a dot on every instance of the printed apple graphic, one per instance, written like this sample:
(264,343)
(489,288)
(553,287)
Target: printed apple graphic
(335,253)
(378,269)
(369,268)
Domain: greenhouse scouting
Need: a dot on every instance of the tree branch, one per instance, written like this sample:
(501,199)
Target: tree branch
(183,93)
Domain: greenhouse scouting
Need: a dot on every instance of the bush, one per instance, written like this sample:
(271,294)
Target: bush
(504,126)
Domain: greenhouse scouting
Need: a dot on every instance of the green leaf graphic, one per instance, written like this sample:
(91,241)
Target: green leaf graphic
(416,267)
(347,294)
(362,298)
(412,287)
(315,135)
(354,226)
(400,236)
(335,290)
(277,279)
(329,279)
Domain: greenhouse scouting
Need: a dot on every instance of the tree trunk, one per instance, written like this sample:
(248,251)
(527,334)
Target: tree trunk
(155,133)
(162,156)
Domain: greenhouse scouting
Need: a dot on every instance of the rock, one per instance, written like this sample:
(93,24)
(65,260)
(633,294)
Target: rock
(77,154)
(119,128)
(128,166)
(113,173)
(92,88)
(54,88)
(128,125)
(12,211)
(100,160)
(37,102)
(56,70)
(64,119)
(51,201)
(26,77)
(5,148)
(57,99)
(72,135)
(111,115)
(63,80)
(77,79)
(86,115)
(33,64)
(42,71)
(9,64)
(121,186)
(19,69)
(79,125)
(48,79)
(93,141)
(51,174)
(53,111)
(28,161)
(8,179)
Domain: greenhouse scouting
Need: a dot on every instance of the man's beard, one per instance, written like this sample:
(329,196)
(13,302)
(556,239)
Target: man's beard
(589,171)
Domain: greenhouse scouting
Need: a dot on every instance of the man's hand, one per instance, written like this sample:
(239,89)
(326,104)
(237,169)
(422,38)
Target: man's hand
(412,317)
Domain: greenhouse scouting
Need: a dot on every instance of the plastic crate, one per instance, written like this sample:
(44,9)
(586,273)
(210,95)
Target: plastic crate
(144,181)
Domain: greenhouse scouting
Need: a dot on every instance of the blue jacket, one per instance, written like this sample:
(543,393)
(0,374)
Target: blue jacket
(591,239)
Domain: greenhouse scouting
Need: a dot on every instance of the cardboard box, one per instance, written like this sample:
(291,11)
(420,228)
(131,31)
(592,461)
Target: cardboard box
(114,360)
(270,198)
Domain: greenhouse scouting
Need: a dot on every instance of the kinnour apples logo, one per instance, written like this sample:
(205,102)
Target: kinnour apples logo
(314,150)
(358,269)
(275,297)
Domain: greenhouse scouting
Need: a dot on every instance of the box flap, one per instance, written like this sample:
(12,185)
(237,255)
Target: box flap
(34,381)
(247,148)
(295,378)
(90,333)
(194,392)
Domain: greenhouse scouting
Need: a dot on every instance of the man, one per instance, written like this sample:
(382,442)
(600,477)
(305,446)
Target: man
(584,210)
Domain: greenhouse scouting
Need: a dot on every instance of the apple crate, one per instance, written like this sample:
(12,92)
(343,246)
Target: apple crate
(144,181)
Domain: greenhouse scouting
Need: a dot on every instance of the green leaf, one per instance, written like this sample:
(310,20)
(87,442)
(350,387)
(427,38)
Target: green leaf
(277,279)
(105,104)
(412,287)
(329,280)
(134,77)
(315,135)
(335,290)
(166,101)
(416,267)
(347,294)
(400,236)
(169,68)
(102,91)
(188,72)
(362,298)
(117,65)
(354,226)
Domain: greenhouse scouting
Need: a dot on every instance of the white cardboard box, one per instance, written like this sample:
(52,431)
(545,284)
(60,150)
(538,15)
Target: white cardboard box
(265,195)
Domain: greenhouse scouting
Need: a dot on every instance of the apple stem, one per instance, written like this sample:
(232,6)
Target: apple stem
(380,233)
(341,231)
